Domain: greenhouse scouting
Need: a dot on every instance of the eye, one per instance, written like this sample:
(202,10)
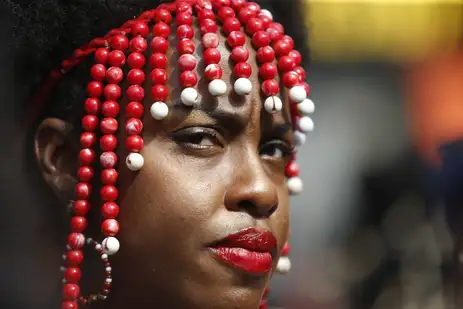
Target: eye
(198,138)
(276,150)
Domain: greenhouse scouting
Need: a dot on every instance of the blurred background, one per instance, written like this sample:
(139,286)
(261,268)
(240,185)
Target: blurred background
(382,169)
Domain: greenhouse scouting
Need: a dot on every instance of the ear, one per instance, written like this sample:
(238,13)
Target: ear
(57,156)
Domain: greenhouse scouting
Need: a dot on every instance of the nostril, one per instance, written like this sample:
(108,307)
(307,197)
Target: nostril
(272,210)
(256,210)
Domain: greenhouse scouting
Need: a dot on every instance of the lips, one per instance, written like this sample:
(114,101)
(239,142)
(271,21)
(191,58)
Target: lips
(250,250)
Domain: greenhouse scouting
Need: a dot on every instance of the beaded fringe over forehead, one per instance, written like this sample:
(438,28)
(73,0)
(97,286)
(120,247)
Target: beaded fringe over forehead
(127,49)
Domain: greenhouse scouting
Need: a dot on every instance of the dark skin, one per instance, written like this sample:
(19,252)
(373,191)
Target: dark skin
(209,171)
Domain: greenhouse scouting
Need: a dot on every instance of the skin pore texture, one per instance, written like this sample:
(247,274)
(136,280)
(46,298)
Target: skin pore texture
(209,171)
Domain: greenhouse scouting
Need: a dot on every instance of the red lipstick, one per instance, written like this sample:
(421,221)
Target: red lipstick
(250,250)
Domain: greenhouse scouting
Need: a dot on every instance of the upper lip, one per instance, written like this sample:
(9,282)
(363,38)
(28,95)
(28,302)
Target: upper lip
(250,239)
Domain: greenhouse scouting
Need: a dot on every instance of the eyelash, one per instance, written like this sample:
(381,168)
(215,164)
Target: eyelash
(192,137)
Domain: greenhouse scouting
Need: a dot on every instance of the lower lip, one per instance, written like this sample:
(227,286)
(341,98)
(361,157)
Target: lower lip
(258,263)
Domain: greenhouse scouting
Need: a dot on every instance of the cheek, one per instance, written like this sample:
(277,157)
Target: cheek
(281,219)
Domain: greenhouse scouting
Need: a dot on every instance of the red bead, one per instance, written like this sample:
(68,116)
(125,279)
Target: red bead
(85,173)
(140,28)
(108,125)
(217,4)
(286,248)
(213,71)
(290,79)
(134,143)
(268,70)
(296,56)
(231,24)
(98,72)
(86,156)
(286,63)
(186,46)
(242,69)
(301,72)
(72,275)
(136,60)
(74,257)
(135,93)
(81,207)
(260,39)
(159,45)
(188,79)
(273,34)
(211,56)
(210,40)
(254,25)
(87,139)
(89,123)
(134,109)
(236,38)
(278,27)
(109,193)
(161,29)
(71,291)
(110,210)
(101,55)
(163,15)
(110,109)
(225,12)
(158,76)
(253,7)
(282,48)
(108,142)
(95,89)
(109,176)
(184,18)
(292,169)
(76,241)
(206,14)
(138,44)
(158,60)
(114,75)
(207,26)
(270,87)
(119,42)
(133,126)
(266,292)
(184,7)
(237,4)
(78,224)
(92,106)
(159,93)
(136,77)
(288,40)
(186,62)
(69,305)
(265,54)
(245,14)
(116,58)
(184,32)
(240,54)
(266,21)
(112,92)
(263,304)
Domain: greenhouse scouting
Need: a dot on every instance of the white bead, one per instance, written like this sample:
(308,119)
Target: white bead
(64,257)
(98,247)
(273,104)
(111,245)
(104,256)
(305,124)
(266,13)
(89,241)
(68,247)
(62,268)
(64,281)
(217,87)
(283,265)
(299,138)
(189,96)
(109,280)
(297,94)
(134,161)
(159,110)
(295,185)
(306,107)
(108,268)
(243,86)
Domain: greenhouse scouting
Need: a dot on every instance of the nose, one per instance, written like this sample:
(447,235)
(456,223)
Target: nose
(251,190)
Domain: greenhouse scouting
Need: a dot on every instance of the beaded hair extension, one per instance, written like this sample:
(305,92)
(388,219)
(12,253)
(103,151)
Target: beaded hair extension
(127,49)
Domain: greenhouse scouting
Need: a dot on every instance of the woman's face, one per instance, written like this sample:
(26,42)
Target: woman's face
(209,172)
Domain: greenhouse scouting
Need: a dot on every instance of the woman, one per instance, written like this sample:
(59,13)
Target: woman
(171,140)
